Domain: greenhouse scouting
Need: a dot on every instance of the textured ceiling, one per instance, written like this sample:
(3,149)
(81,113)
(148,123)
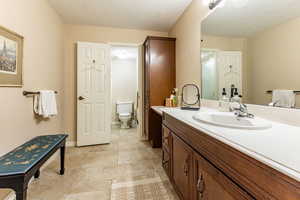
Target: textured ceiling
(247,17)
(157,15)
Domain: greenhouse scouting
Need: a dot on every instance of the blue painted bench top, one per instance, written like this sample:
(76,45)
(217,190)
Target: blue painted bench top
(23,158)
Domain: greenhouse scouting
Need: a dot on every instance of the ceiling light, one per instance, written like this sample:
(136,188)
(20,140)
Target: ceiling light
(221,3)
(214,3)
(124,53)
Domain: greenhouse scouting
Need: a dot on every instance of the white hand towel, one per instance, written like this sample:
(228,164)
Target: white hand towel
(284,98)
(45,104)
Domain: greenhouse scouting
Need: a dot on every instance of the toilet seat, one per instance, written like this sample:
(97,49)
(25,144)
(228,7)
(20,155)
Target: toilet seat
(125,113)
(125,119)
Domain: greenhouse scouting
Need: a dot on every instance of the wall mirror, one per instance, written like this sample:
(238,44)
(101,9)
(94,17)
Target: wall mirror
(253,46)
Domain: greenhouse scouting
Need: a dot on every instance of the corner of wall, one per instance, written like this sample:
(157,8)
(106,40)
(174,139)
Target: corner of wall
(187,30)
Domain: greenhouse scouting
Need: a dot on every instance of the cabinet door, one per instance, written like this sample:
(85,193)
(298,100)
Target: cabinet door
(161,71)
(166,162)
(181,167)
(155,129)
(211,184)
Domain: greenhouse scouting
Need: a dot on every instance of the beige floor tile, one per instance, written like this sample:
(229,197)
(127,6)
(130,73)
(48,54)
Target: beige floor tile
(99,195)
(123,170)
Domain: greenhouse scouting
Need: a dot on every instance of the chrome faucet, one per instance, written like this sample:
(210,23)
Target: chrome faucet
(241,110)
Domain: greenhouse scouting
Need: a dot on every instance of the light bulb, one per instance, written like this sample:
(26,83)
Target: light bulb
(206,2)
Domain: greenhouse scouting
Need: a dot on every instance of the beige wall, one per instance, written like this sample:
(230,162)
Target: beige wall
(42,66)
(74,33)
(43,69)
(275,60)
(223,43)
(187,30)
(233,44)
(124,83)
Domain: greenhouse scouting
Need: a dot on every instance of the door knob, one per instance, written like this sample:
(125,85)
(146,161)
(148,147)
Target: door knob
(80,98)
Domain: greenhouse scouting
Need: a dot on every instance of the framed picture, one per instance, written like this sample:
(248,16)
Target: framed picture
(11,58)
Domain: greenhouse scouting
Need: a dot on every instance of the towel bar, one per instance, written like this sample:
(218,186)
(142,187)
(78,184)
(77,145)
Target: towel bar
(271,91)
(25,93)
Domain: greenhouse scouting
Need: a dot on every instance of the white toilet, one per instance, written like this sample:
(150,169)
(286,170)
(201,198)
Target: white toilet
(124,111)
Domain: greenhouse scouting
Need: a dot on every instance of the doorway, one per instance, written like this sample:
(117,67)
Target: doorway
(124,85)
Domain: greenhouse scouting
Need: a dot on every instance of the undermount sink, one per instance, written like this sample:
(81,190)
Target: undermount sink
(230,120)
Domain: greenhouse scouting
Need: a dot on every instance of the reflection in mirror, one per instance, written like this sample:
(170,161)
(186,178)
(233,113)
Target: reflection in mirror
(253,50)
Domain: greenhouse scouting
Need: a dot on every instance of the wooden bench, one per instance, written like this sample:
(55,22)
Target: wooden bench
(20,165)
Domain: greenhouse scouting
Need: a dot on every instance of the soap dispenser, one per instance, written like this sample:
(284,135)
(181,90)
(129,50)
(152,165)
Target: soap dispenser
(224,102)
(236,97)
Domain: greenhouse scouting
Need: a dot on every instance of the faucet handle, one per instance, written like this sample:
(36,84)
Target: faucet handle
(243,106)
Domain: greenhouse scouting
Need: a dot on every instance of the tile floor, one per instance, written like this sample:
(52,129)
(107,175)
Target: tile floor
(126,169)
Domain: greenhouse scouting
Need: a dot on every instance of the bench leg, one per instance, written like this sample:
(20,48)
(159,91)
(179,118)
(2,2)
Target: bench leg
(37,174)
(62,160)
(21,194)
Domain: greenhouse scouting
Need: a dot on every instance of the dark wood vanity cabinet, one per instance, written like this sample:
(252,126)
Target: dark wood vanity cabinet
(182,156)
(166,149)
(195,178)
(159,81)
(203,168)
(166,139)
(166,162)
(211,184)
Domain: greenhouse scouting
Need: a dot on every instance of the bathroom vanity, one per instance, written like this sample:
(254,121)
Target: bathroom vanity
(204,161)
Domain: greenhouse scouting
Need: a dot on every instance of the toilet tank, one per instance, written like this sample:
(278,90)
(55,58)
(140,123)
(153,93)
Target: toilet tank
(124,107)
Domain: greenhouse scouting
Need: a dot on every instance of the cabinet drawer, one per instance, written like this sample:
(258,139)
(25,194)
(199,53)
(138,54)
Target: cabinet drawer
(166,138)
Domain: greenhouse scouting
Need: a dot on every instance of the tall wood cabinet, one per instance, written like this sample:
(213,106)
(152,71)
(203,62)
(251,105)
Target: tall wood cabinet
(159,80)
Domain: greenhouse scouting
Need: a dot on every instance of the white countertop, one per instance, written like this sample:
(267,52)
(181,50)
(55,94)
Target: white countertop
(160,109)
(277,147)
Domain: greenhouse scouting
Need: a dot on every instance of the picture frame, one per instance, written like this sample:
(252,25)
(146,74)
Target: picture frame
(11,58)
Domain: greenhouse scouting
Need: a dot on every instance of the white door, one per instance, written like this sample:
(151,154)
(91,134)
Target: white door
(93,94)
(230,71)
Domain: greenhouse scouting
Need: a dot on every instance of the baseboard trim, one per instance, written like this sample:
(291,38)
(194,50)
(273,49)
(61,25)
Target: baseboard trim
(71,144)
(115,123)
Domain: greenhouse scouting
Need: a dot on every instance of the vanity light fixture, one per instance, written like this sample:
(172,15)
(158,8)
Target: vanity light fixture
(214,3)
(220,3)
